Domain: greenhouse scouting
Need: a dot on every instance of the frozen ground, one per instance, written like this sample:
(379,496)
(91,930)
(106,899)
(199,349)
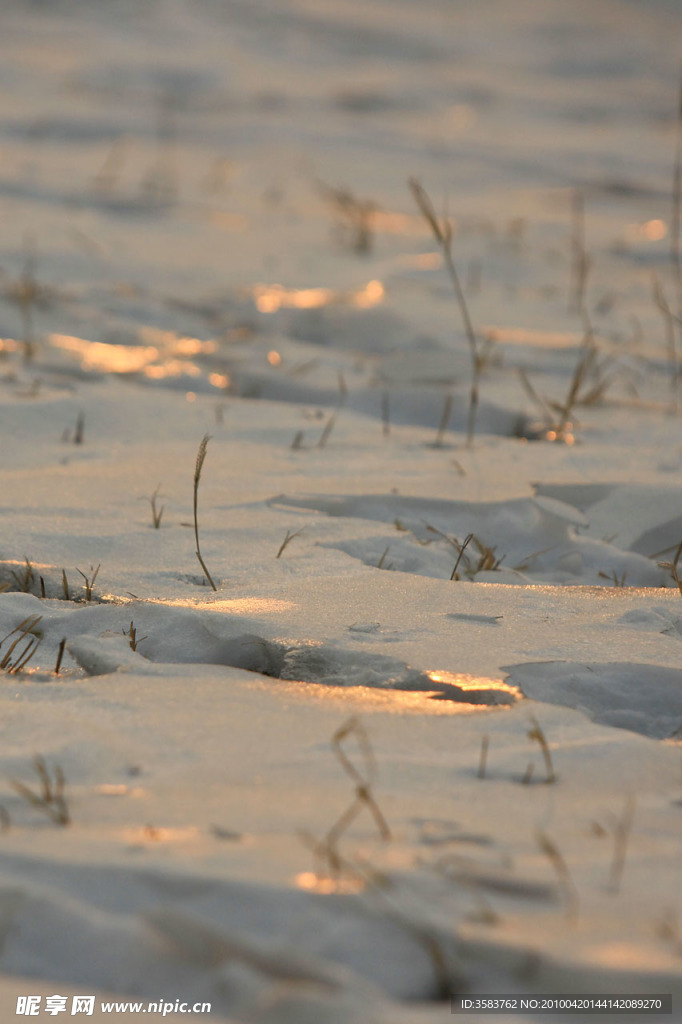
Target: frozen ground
(175,262)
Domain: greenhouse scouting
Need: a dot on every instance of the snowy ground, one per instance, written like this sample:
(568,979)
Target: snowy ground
(175,262)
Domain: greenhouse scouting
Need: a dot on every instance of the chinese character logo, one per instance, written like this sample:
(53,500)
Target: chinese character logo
(83,1004)
(28,1006)
(55,1005)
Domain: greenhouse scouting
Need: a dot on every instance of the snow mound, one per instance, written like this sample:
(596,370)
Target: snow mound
(642,698)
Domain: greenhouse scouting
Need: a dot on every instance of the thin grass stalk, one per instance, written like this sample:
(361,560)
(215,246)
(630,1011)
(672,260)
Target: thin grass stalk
(201,455)
(442,231)
(669,325)
(676,216)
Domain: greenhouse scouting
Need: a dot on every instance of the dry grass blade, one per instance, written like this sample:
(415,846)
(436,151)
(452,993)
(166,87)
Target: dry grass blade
(79,432)
(621,834)
(133,638)
(50,799)
(442,231)
(27,293)
(287,540)
(535,397)
(385,414)
(355,217)
(669,325)
(201,456)
(380,563)
(552,852)
(444,420)
(537,734)
(326,433)
(363,780)
(483,759)
(25,631)
(676,215)
(60,655)
(583,366)
(580,261)
(428,211)
(329,861)
(26,579)
(460,556)
(89,581)
(673,567)
(157,513)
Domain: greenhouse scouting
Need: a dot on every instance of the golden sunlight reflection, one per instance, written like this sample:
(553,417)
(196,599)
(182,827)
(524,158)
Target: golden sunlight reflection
(270,298)
(648,231)
(274,358)
(534,338)
(98,355)
(421,260)
(119,789)
(154,834)
(372,295)
(171,368)
(564,436)
(486,695)
(391,223)
(482,689)
(312,882)
(164,354)
(220,380)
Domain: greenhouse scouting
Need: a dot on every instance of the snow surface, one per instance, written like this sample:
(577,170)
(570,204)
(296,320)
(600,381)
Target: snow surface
(372,767)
